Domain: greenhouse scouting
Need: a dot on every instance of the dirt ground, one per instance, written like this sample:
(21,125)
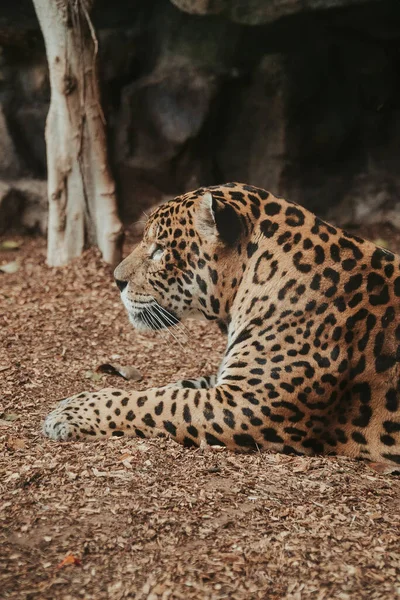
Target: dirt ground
(147,519)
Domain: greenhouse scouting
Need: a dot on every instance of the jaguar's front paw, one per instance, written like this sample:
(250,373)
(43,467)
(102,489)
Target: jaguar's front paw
(72,419)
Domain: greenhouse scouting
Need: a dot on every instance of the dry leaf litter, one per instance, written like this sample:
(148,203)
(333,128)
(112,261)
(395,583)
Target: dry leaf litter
(147,519)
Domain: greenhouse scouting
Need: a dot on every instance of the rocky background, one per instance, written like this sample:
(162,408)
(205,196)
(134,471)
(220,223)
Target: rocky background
(301,97)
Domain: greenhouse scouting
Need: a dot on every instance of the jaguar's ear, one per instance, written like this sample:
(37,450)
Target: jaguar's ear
(219,219)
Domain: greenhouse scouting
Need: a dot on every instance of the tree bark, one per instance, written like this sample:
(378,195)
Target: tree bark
(81,190)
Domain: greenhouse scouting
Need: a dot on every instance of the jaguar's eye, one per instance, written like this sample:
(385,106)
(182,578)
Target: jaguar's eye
(157,252)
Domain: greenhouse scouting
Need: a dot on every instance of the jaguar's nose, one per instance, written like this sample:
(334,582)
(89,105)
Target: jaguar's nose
(121,284)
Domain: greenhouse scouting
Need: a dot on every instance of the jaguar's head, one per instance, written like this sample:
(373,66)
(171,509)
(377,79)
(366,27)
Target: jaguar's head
(186,265)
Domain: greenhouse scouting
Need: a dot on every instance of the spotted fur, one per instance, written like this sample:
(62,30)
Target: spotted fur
(313,331)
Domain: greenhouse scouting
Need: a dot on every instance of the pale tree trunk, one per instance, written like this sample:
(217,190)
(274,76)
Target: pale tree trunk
(81,190)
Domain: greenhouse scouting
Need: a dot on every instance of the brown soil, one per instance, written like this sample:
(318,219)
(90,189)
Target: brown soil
(149,519)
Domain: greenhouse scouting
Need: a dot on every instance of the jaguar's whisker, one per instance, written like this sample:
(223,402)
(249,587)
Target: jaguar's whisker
(171,319)
(152,324)
(167,329)
(172,323)
(155,320)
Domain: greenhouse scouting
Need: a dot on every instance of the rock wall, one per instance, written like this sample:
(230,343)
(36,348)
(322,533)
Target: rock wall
(299,96)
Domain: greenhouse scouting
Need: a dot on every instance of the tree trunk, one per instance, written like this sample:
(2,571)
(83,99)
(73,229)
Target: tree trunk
(81,190)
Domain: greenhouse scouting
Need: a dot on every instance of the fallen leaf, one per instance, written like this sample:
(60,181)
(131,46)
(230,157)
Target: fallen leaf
(301,466)
(11,267)
(4,368)
(15,443)
(70,559)
(383,468)
(9,416)
(375,516)
(127,372)
(10,245)
(98,473)
(31,386)
(93,376)
(126,456)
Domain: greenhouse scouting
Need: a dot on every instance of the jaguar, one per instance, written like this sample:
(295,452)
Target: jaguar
(311,317)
